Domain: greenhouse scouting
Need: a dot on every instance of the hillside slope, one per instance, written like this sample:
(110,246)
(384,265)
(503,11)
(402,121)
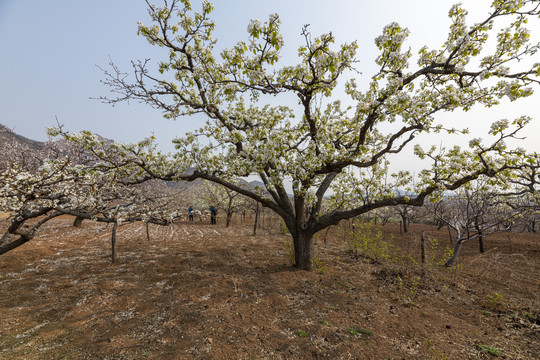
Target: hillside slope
(8,136)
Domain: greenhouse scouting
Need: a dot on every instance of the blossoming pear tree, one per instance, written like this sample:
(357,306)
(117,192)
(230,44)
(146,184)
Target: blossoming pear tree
(64,186)
(322,147)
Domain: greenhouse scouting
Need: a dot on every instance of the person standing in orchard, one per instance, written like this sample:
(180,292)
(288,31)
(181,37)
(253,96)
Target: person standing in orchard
(190,213)
(213,215)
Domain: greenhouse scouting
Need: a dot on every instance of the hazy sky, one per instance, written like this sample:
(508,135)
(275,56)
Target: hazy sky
(50,49)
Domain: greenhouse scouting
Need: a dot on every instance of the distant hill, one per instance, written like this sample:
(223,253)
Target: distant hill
(256,183)
(8,136)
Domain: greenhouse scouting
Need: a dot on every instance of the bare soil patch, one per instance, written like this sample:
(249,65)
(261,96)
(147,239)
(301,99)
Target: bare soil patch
(197,291)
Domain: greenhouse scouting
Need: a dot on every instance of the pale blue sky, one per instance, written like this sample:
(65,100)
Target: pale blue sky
(50,49)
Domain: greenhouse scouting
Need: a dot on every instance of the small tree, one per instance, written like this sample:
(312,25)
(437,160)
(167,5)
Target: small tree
(406,213)
(320,144)
(475,212)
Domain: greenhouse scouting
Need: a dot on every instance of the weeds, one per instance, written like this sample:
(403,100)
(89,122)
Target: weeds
(301,333)
(318,265)
(435,257)
(325,323)
(436,353)
(289,246)
(494,302)
(284,228)
(369,243)
(412,294)
(360,332)
(145,352)
(531,317)
(489,349)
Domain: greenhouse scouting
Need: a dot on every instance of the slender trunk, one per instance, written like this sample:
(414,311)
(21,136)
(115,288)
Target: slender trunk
(455,252)
(481,244)
(404,218)
(256,220)
(78,222)
(480,239)
(113,241)
(229,217)
(303,250)
(423,248)
(449,233)
(147,232)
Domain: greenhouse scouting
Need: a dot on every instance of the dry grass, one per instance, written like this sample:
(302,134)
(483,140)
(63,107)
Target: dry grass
(202,292)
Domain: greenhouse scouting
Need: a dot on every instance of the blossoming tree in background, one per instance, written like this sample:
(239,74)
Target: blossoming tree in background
(70,182)
(321,147)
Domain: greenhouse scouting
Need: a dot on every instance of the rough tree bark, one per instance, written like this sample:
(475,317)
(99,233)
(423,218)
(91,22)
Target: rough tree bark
(303,253)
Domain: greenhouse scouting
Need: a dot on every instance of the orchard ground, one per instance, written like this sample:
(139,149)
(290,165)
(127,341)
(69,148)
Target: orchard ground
(197,291)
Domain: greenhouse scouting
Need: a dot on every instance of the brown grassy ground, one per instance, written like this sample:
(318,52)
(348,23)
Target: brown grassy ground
(202,292)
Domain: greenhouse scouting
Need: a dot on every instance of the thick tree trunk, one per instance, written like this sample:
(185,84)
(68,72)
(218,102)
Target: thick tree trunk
(303,250)
(78,222)
(229,217)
